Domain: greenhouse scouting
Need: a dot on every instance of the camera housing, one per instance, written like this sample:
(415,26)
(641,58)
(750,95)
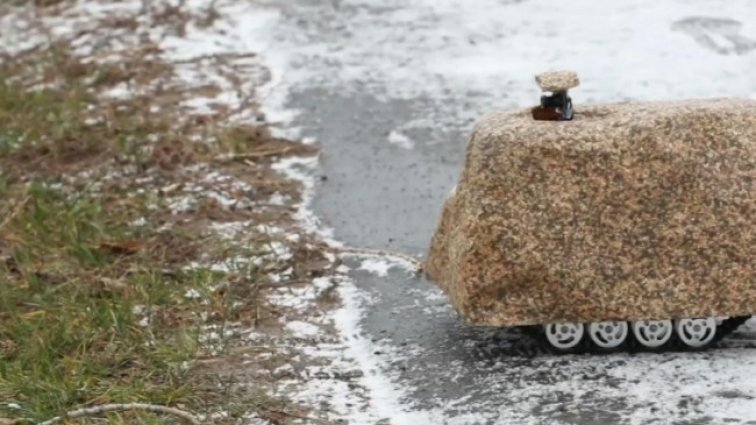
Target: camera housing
(561,102)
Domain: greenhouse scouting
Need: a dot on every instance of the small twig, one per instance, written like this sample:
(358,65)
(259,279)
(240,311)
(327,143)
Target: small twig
(92,411)
(412,261)
(254,155)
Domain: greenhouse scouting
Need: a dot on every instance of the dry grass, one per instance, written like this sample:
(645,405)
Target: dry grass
(95,308)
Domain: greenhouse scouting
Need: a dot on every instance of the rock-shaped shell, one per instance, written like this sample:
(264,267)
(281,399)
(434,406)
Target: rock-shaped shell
(630,211)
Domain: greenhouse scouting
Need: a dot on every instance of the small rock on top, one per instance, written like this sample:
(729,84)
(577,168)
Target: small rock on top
(556,81)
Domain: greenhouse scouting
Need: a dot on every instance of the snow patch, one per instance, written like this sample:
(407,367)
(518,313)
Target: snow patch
(230,230)
(300,169)
(377,266)
(192,294)
(302,329)
(120,91)
(278,199)
(384,394)
(301,298)
(182,204)
(400,139)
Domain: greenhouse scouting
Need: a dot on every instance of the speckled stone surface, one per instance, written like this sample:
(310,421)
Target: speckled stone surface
(557,80)
(629,211)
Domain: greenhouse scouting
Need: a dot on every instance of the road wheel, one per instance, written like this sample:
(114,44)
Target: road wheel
(653,335)
(608,335)
(696,334)
(564,338)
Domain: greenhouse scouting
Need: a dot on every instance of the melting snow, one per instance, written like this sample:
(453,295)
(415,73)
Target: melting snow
(119,91)
(400,139)
(376,265)
(302,329)
(192,294)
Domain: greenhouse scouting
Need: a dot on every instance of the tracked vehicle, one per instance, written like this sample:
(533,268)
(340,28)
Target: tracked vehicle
(605,227)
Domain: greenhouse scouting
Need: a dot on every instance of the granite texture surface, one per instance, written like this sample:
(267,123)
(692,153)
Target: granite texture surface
(555,81)
(629,211)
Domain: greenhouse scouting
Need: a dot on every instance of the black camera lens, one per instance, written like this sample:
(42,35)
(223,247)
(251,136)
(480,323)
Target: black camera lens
(557,100)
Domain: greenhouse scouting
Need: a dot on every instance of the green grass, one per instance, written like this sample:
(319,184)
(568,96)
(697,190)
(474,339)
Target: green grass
(76,282)
(69,314)
(31,118)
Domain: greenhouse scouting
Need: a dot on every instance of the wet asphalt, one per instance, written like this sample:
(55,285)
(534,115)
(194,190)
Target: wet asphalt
(375,194)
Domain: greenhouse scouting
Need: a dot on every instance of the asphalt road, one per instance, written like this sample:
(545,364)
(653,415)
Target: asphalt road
(393,143)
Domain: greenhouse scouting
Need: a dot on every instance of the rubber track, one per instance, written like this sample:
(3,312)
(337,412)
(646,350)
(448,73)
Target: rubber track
(729,326)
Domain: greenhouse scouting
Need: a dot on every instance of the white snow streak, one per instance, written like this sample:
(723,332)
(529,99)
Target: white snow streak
(400,139)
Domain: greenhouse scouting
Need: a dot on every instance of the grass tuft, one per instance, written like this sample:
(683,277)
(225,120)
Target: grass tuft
(94,310)
(76,331)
